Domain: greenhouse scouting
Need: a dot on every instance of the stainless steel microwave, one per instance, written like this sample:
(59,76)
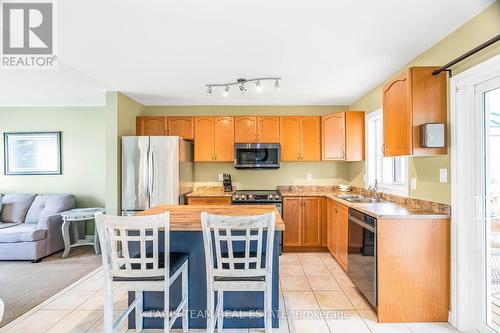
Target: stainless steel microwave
(257,155)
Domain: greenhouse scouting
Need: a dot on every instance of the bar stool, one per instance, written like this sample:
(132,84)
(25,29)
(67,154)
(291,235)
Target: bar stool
(239,263)
(131,261)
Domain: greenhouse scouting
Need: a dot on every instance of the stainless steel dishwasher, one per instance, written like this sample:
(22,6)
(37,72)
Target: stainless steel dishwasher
(362,254)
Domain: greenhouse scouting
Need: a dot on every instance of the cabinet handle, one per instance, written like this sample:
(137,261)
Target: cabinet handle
(215,157)
(343,154)
(383,148)
(298,156)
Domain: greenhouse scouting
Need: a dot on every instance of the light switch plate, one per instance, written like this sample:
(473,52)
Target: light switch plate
(413,183)
(221,177)
(443,175)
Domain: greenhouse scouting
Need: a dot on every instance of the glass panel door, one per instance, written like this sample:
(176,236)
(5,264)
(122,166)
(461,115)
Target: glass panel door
(491,103)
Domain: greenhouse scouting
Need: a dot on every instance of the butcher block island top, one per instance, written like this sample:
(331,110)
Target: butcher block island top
(187,217)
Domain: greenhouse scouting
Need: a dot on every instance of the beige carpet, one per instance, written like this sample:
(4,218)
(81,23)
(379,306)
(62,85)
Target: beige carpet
(24,285)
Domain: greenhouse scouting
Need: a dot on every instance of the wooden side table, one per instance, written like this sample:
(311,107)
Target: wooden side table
(79,215)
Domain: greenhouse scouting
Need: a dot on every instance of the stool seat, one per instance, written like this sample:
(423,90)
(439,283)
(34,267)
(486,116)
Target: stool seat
(177,259)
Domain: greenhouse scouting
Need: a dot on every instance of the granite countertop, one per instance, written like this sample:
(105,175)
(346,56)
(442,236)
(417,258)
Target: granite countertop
(380,210)
(187,217)
(210,191)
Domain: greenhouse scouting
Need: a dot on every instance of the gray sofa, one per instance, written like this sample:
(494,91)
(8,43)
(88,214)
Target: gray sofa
(30,225)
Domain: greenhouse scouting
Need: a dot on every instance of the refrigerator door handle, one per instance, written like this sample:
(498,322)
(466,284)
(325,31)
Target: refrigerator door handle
(150,173)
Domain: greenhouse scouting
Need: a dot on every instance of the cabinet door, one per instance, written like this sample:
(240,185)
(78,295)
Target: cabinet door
(151,126)
(324,222)
(268,129)
(343,235)
(245,129)
(333,135)
(333,226)
(224,139)
(397,117)
(181,126)
(310,134)
(289,138)
(312,221)
(355,136)
(292,217)
(203,139)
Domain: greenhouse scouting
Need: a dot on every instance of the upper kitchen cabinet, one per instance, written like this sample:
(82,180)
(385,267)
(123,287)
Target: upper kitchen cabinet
(256,129)
(182,126)
(151,126)
(213,139)
(343,136)
(413,98)
(300,138)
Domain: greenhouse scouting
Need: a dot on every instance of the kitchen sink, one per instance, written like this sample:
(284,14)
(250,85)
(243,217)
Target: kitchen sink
(356,198)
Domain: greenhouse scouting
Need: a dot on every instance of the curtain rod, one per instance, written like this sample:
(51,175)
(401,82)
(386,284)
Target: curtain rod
(464,56)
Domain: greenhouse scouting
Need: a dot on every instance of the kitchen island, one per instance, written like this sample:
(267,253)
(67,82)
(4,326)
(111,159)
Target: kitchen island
(186,237)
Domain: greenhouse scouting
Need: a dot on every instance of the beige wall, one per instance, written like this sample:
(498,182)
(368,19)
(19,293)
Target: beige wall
(426,169)
(83,151)
(326,173)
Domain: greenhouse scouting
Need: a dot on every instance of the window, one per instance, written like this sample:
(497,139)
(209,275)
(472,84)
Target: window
(391,173)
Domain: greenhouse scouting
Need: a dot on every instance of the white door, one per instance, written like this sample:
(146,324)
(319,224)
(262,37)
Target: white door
(487,111)
(475,153)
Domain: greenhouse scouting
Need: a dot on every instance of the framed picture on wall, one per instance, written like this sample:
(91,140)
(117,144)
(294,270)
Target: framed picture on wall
(32,153)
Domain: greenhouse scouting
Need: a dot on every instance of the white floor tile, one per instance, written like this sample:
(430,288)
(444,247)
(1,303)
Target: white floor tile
(370,319)
(346,322)
(69,300)
(76,322)
(39,321)
(431,328)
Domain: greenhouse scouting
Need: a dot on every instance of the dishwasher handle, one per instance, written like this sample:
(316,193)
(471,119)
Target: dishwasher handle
(363,224)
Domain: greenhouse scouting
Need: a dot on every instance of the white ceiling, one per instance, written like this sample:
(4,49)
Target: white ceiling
(165,51)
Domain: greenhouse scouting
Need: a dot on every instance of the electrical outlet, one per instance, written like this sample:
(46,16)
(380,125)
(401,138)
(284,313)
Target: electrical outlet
(309,176)
(413,183)
(443,175)
(221,177)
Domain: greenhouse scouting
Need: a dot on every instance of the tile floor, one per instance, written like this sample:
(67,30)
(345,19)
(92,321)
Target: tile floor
(315,293)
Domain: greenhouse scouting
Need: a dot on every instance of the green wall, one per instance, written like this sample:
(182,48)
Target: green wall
(83,151)
(480,28)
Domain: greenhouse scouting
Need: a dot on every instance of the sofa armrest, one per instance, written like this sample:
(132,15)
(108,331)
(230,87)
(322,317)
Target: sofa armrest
(50,222)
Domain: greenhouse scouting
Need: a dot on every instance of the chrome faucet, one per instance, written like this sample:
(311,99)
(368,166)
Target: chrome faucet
(374,191)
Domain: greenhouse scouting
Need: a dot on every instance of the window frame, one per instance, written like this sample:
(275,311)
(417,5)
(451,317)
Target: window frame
(397,188)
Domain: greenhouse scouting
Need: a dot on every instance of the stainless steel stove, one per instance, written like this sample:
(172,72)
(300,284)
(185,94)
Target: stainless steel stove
(256,197)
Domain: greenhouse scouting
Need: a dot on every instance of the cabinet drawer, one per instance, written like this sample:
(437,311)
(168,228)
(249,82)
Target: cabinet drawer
(209,200)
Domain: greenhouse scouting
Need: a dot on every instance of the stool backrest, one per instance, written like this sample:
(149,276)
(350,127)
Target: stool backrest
(129,244)
(238,242)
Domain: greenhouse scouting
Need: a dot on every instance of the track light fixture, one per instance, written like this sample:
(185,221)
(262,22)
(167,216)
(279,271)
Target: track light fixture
(241,85)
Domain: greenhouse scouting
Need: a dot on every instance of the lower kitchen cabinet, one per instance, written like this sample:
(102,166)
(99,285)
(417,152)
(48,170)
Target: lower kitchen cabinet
(338,231)
(304,223)
(211,200)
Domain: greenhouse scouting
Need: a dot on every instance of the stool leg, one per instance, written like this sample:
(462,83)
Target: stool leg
(220,314)
(138,311)
(166,307)
(210,309)
(268,307)
(185,295)
(108,308)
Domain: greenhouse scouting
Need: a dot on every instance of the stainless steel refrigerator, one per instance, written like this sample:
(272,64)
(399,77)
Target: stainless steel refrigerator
(155,170)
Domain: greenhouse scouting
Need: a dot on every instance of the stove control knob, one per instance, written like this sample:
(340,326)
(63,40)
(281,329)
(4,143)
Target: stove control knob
(250,196)
(243,197)
(270,197)
(276,197)
(236,197)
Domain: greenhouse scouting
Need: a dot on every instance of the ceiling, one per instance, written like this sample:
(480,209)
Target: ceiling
(164,52)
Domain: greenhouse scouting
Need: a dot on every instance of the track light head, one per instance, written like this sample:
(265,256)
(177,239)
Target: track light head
(209,91)
(277,84)
(243,89)
(258,86)
(225,93)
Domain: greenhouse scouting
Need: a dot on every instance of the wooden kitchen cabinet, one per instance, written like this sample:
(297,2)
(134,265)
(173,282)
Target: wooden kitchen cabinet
(248,129)
(209,200)
(300,138)
(213,139)
(303,221)
(293,218)
(413,98)
(343,136)
(151,126)
(182,126)
(338,231)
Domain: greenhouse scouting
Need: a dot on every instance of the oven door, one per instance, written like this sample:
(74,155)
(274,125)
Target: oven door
(362,254)
(257,156)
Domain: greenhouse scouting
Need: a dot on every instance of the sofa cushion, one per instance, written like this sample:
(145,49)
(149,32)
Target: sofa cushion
(45,205)
(21,233)
(15,207)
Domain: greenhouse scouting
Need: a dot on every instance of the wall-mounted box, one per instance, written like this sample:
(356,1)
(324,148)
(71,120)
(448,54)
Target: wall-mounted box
(432,135)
